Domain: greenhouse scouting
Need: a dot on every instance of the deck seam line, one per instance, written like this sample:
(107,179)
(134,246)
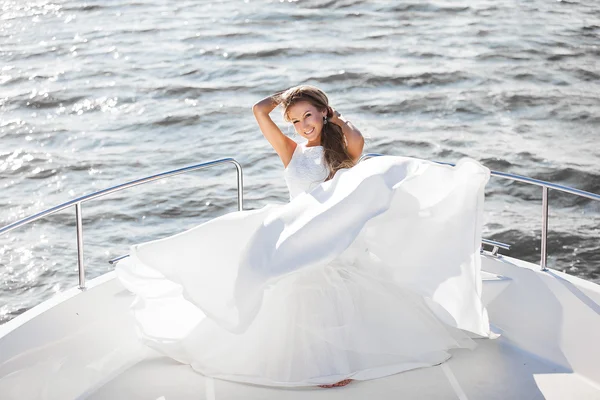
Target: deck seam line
(453,381)
(210,388)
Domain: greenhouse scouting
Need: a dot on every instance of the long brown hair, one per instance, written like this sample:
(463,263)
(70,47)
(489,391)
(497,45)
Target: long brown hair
(332,138)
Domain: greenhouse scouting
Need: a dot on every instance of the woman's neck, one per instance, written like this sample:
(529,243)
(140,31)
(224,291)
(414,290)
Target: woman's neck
(314,143)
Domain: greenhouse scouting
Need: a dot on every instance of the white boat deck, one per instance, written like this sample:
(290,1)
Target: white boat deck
(494,370)
(83,345)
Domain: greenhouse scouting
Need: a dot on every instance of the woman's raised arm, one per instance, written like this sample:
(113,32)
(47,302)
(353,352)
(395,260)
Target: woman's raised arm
(283,145)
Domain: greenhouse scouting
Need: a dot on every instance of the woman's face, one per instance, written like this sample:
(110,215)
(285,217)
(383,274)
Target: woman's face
(307,120)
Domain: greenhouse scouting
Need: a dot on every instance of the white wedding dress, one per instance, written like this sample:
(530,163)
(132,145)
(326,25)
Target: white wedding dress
(371,273)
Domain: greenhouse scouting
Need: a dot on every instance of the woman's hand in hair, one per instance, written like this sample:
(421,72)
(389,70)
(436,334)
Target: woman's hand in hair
(354,139)
(332,113)
(334,117)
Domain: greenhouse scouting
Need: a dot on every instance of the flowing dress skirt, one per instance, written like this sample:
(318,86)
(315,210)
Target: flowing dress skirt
(374,272)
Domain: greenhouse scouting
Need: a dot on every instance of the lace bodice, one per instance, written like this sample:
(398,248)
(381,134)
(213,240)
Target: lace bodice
(306,170)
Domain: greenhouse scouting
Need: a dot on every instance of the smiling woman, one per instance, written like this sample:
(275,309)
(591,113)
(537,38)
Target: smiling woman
(337,285)
(308,109)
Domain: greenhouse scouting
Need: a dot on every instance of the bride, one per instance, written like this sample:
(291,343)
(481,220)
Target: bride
(371,269)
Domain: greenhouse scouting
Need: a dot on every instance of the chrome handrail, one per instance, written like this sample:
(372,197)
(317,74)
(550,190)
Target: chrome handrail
(80,200)
(77,202)
(496,246)
(545,186)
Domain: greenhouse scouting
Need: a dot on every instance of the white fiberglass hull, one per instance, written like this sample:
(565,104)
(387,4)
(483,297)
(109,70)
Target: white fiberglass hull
(84,345)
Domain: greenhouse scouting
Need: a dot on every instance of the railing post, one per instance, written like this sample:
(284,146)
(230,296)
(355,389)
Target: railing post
(80,265)
(544,251)
(240,185)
